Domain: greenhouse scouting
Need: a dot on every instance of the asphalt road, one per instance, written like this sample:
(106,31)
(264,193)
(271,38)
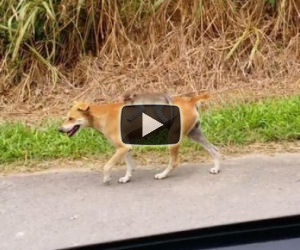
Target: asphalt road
(69,208)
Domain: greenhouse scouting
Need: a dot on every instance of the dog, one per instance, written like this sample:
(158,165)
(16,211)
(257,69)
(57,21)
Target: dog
(106,119)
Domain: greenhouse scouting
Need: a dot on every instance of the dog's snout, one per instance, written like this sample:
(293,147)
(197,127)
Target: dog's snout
(61,130)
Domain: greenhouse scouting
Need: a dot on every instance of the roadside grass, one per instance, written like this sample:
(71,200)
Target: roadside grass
(240,124)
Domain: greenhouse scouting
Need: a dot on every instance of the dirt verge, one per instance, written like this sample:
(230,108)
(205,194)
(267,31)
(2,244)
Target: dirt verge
(147,159)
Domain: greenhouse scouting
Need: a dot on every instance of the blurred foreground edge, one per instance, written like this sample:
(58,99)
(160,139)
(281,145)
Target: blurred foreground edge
(266,233)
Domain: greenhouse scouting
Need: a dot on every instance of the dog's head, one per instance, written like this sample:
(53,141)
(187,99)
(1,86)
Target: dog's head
(78,117)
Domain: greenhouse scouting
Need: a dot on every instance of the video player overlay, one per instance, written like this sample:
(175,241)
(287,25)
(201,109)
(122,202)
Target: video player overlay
(146,124)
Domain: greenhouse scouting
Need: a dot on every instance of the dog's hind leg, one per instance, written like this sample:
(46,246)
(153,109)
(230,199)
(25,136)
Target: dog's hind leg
(121,152)
(196,135)
(174,150)
(130,166)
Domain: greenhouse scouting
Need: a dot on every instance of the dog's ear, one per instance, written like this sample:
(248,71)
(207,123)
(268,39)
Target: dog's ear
(83,107)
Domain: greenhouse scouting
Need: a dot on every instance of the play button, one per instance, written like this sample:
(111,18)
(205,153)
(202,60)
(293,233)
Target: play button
(149,124)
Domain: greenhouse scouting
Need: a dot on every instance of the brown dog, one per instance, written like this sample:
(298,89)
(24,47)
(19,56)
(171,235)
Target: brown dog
(106,119)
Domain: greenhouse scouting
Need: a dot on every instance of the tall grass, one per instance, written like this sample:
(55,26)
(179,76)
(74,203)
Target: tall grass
(202,44)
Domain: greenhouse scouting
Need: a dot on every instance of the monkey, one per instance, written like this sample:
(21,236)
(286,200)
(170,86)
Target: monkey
(154,98)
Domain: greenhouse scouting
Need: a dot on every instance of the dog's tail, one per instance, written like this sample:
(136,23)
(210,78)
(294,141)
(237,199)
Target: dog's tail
(196,100)
(199,98)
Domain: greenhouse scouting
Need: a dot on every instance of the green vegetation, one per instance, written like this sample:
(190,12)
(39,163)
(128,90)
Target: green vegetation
(268,120)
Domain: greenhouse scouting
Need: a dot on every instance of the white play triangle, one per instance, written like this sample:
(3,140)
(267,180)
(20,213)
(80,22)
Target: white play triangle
(149,124)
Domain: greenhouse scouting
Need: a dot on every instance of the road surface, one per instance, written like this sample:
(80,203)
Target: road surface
(69,208)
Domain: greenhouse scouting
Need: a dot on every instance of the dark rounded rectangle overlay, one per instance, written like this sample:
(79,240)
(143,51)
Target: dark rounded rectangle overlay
(132,124)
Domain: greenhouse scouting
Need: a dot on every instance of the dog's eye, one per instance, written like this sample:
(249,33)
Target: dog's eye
(71,119)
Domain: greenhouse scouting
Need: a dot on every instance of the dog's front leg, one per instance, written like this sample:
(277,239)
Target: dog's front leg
(113,160)
(174,150)
(130,166)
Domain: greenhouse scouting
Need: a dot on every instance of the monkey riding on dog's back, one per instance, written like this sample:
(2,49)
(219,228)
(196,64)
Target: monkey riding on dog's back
(106,119)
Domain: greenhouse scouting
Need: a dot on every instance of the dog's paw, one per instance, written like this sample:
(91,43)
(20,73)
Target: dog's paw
(124,179)
(214,170)
(106,179)
(160,176)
